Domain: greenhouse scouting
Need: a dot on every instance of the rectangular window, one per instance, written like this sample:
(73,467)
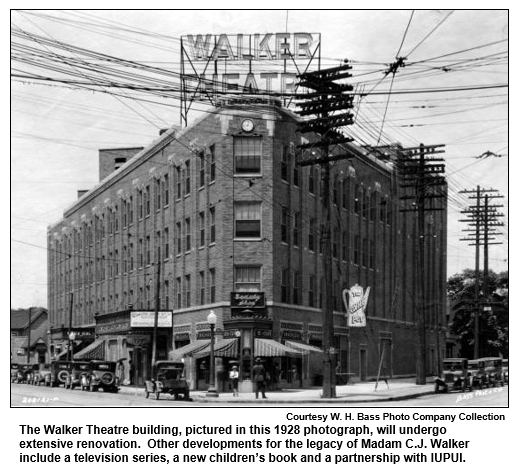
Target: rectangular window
(247,219)
(178,171)
(187,300)
(335,243)
(188,234)
(148,250)
(284,285)
(296,229)
(345,195)
(247,155)
(201,284)
(140,204)
(201,221)
(165,190)
(335,192)
(140,253)
(357,199)
(116,218)
(148,200)
(212,214)
(166,294)
(372,254)
(366,205)
(373,208)
(284,163)
(187,174)
(311,234)
(179,293)
(166,243)
(284,224)
(178,238)
(356,254)
(296,287)
(212,164)
(201,163)
(124,211)
(132,257)
(248,278)
(296,169)
(158,195)
(383,210)
(158,247)
(311,291)
(212,273)
(322,238)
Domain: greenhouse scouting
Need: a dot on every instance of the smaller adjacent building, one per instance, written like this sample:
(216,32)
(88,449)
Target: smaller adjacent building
(29,335)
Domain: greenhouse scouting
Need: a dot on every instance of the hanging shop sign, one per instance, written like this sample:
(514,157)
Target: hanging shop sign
(355,301)
(147,319)
(249,300)
(138,340)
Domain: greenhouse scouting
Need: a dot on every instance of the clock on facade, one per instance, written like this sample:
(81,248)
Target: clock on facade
(247,125)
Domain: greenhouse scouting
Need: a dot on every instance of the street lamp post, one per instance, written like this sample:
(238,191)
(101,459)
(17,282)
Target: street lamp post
(71,338)
(212,391)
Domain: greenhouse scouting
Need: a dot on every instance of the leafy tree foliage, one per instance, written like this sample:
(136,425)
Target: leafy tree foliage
(493,323)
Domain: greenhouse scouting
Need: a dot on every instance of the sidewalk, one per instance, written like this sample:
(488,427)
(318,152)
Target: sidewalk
(396,390)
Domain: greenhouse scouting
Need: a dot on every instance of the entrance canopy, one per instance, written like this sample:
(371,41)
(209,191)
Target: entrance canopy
(94,351)
(272,348)
(225,348)
(189,349)
(304,348)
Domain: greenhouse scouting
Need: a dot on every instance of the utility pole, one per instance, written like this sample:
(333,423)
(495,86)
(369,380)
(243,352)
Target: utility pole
(327,97)
(482,217)
(155,324)
(420,174)
(29,336)
(71,307)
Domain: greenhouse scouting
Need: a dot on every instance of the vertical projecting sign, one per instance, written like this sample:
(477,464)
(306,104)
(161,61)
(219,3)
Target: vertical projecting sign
(356,306)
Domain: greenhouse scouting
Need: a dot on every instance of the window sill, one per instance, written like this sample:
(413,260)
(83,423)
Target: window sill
(248,175)
(247,239)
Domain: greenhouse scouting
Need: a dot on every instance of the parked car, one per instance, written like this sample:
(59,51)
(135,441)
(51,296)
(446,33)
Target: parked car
(78,375)
(478,375)
(103,374)
(14,372)
(505,369)
(42,375)
(169,378)
(455,376)
(24,373)
(59,372)
(492,367)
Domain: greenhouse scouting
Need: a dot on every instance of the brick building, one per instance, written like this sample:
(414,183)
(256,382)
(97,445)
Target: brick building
(29,335)
(220,215)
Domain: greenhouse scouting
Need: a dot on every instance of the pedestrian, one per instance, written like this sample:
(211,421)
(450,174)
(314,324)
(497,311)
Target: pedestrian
(234,379)
(259,378)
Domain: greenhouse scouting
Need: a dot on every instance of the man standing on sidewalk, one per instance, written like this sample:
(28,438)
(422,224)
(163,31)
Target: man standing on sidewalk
(259,378)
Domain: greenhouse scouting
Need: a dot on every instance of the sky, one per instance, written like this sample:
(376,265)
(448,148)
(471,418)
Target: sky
(457,59)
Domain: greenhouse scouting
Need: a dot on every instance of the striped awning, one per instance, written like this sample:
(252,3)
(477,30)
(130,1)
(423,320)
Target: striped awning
(303,347)
(94,351)
(272,348)
(227,348)
(188,349)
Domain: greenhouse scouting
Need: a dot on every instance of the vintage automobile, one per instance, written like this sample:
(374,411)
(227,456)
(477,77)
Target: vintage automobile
(102,374)
(478,376)
(505,370)
(14,372)
(492,367)
(42,375)
(59,372)
(455,376)
(78,375)
(24,373)
(169,378)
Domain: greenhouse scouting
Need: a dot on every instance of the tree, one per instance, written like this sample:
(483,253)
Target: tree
(493,313)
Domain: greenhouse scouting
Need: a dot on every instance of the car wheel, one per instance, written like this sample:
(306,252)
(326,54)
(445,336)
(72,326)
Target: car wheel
(436,388)
(186,396)
(176,396)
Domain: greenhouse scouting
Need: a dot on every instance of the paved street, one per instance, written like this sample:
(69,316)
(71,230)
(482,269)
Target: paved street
(400,394)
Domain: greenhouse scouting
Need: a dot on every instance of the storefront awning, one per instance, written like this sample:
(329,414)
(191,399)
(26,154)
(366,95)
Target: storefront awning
(94,351)
(303,347)
(188,349)
(272,348)
(227,348)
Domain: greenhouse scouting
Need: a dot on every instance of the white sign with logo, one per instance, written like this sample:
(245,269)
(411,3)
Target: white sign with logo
(356,306)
